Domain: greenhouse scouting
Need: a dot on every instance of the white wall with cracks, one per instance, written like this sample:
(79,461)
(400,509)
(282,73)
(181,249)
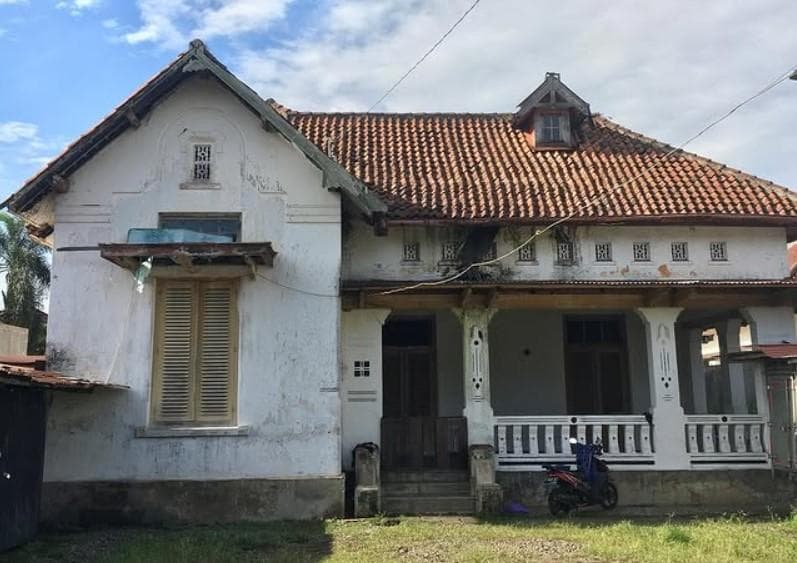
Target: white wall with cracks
(102,329)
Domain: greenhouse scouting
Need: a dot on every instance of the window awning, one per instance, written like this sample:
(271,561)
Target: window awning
(189,255)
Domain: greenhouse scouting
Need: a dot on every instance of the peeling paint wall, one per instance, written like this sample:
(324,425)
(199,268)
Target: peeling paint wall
(102,328)
(753,253)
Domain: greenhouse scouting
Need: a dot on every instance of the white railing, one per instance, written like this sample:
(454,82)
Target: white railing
(727,439)
(527,442)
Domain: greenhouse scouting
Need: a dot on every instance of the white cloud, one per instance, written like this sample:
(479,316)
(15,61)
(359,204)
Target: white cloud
(14,131)
(77,7)
(9,2)
(665,71)
(110,23)
(172,23)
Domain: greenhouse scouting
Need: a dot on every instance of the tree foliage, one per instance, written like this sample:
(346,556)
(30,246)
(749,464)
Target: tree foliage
(26,266)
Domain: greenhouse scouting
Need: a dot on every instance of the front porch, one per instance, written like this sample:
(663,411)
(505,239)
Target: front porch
(527,379)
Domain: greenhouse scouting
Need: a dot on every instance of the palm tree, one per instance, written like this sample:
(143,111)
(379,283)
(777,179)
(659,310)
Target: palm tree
(27,269)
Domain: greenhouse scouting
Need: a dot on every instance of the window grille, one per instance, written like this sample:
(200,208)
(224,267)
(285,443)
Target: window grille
(202,155)
(565,252)
(412,251)
(491,252)
(603,252)
(718,251)
(641,252)
(527,253)
(680,252)
(362,368)
(450,251)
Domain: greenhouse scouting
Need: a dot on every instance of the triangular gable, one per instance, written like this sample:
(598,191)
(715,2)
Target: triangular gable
(552,92)
(196,59)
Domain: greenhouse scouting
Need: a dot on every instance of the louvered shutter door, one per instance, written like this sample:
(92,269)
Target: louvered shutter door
(173,357)
(216,358)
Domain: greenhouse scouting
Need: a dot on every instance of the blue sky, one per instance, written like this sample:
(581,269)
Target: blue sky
(664,70)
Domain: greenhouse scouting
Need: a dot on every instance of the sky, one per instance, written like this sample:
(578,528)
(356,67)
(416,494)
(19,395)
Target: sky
(664,69)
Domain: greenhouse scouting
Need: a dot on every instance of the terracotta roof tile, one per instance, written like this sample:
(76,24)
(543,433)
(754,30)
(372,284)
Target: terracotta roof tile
(477,167)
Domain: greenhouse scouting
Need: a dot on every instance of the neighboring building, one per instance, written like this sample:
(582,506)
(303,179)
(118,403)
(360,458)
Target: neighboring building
(234,263)
(13,340)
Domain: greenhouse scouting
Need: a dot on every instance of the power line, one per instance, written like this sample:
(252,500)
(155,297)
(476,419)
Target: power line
(296,289)
(425,55)
(602,197)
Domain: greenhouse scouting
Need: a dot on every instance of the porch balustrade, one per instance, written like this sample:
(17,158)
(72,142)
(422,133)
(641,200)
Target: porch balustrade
(727,438)
(527,442)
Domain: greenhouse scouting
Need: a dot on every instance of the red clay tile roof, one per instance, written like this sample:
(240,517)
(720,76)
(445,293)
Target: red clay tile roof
(477,167)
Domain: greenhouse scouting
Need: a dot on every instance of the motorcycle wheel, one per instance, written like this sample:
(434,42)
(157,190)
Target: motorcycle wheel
(609,496)
(557,503)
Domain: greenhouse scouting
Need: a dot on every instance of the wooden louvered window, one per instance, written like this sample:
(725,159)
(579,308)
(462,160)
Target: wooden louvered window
(195,371)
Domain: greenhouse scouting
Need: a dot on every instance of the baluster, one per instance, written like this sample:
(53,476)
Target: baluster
(502,440)
(708,439)
(550,448)
(725,442)
(517,440)
(630,439)
(565,439)
(581,434)
(739,443)
(534,448)
(691,442)
(614,446)
(597,434)
(644,438)
(755,439)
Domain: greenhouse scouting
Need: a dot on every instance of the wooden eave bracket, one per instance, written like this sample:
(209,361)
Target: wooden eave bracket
(60,184)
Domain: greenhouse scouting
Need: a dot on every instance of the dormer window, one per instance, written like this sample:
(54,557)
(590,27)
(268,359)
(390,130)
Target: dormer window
(551,129)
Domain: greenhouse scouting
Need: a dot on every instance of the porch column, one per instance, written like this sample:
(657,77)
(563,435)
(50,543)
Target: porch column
(669,440)
(698,370)
(478,408)
(771,325)
(728,335)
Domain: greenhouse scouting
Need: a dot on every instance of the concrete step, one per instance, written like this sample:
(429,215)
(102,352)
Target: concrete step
(426,488)
(428,505)
(424,476)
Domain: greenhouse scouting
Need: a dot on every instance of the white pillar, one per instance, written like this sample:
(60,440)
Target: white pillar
(360,389)
(697,369)
(669,432)
(728,336)
(771,325)
(478,408)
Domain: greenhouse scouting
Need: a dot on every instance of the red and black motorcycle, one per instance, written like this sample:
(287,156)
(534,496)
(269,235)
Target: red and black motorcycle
(588,485)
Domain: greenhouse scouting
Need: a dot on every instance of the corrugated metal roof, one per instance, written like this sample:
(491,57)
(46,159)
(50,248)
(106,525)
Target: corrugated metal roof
(28,371)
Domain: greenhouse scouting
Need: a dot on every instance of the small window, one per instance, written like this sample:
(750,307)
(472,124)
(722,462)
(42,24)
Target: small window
(227,226)
(412,252)
(362,368)
(565,253)
(202,162)
(603,252)
(641,252)
(551,129)
(450,251)
(719,251)
(527,252)
(680,252)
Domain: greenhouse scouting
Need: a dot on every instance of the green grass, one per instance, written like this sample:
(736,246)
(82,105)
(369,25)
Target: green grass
(428,539)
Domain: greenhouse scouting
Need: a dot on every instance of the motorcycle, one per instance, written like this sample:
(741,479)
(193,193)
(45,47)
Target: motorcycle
(588,485)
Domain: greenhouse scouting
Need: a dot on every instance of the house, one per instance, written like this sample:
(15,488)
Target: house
(277,287)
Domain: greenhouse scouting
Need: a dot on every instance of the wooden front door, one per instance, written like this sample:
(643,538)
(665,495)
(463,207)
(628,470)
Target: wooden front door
(596,365)
(413,436)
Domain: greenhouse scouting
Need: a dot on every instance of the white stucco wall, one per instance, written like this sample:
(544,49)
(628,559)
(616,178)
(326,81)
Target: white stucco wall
(753,253)
(289,346)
